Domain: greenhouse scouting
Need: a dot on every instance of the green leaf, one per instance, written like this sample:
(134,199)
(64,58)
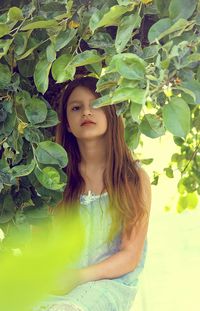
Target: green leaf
(155,178)
(15,14)
(64,38)
(125,29)
(150,51)
(4,46)
(41,75)
(165,27)
(4,167)
(51,53)
(51,119)
(49,195)
(49,177)
(123,82)
(129,65)
(198,74)
(187,95)
(132,135)
(119,95)
(5,76)
(188,184)
(192,58)
(181,9)
(49,152)
(7,105)
(85,58)
(178,140)
(101,39)
(62,70)
(107,81)
(138,96)
(22,170)
(102,101)
(40,24)
(36,110)
(3,17)
(162,7)
(169,172)
(3,115)
(121,108)
(26,68)
(178,27)
(4,29)
(152,126)
(20,41)
(126,93)
(22,99)
(95,68)
(147,161)
(33,135)
(158,28)
(98,19)
(189,201)
(176,117)
(135,110)
(28,52)
(9,124)
(124,2)
(8,209)
(194,87)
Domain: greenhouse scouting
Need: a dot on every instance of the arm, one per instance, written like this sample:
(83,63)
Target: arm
(114,266)
(131,249)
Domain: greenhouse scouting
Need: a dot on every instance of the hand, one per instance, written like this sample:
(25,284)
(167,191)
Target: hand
(67,281)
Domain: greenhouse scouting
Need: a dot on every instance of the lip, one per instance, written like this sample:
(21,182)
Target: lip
(87,123)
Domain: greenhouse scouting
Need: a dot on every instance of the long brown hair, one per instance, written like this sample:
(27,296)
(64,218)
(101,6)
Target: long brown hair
(121,177)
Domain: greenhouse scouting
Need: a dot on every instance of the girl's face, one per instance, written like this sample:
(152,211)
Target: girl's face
(79,109)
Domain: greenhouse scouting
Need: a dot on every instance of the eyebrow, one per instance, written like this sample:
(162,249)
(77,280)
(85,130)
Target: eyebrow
(77,101)
(74,101)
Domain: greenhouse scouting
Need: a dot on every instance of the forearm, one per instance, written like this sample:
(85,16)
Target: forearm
(114,266)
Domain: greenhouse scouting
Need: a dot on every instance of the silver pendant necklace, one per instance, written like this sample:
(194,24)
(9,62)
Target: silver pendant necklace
(90,193)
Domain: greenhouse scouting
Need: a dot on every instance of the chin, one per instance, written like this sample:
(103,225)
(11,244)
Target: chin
(90,137)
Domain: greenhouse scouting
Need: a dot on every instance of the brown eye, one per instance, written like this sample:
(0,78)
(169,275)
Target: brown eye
(75,107)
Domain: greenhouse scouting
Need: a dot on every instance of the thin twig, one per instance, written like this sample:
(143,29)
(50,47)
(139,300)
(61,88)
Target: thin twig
(192,157)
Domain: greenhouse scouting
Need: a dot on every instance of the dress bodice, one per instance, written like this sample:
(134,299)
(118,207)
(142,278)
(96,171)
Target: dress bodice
(95,214)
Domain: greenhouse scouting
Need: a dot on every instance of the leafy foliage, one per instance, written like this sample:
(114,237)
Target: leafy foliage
(146,56)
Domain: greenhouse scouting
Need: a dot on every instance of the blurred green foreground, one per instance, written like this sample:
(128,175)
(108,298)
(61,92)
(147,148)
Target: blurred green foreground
(29,274)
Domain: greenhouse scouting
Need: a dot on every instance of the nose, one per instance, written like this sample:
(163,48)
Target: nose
(87,110)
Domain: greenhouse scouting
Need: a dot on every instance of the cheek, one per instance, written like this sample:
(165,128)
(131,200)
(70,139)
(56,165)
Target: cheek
(103,116)
(68,117)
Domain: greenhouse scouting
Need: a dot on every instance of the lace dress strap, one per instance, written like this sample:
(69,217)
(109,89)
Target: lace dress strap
(138,164)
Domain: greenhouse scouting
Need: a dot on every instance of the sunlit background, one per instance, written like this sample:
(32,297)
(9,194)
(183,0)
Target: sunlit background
(171,277)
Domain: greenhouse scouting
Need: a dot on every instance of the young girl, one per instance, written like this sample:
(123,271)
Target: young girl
(114,197)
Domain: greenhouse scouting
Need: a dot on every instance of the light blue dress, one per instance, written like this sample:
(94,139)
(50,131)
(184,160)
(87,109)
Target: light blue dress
(115,294)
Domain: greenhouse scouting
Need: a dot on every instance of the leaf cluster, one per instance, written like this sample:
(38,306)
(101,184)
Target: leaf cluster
(146,57)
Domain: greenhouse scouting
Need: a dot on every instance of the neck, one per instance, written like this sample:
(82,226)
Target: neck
(93,154)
